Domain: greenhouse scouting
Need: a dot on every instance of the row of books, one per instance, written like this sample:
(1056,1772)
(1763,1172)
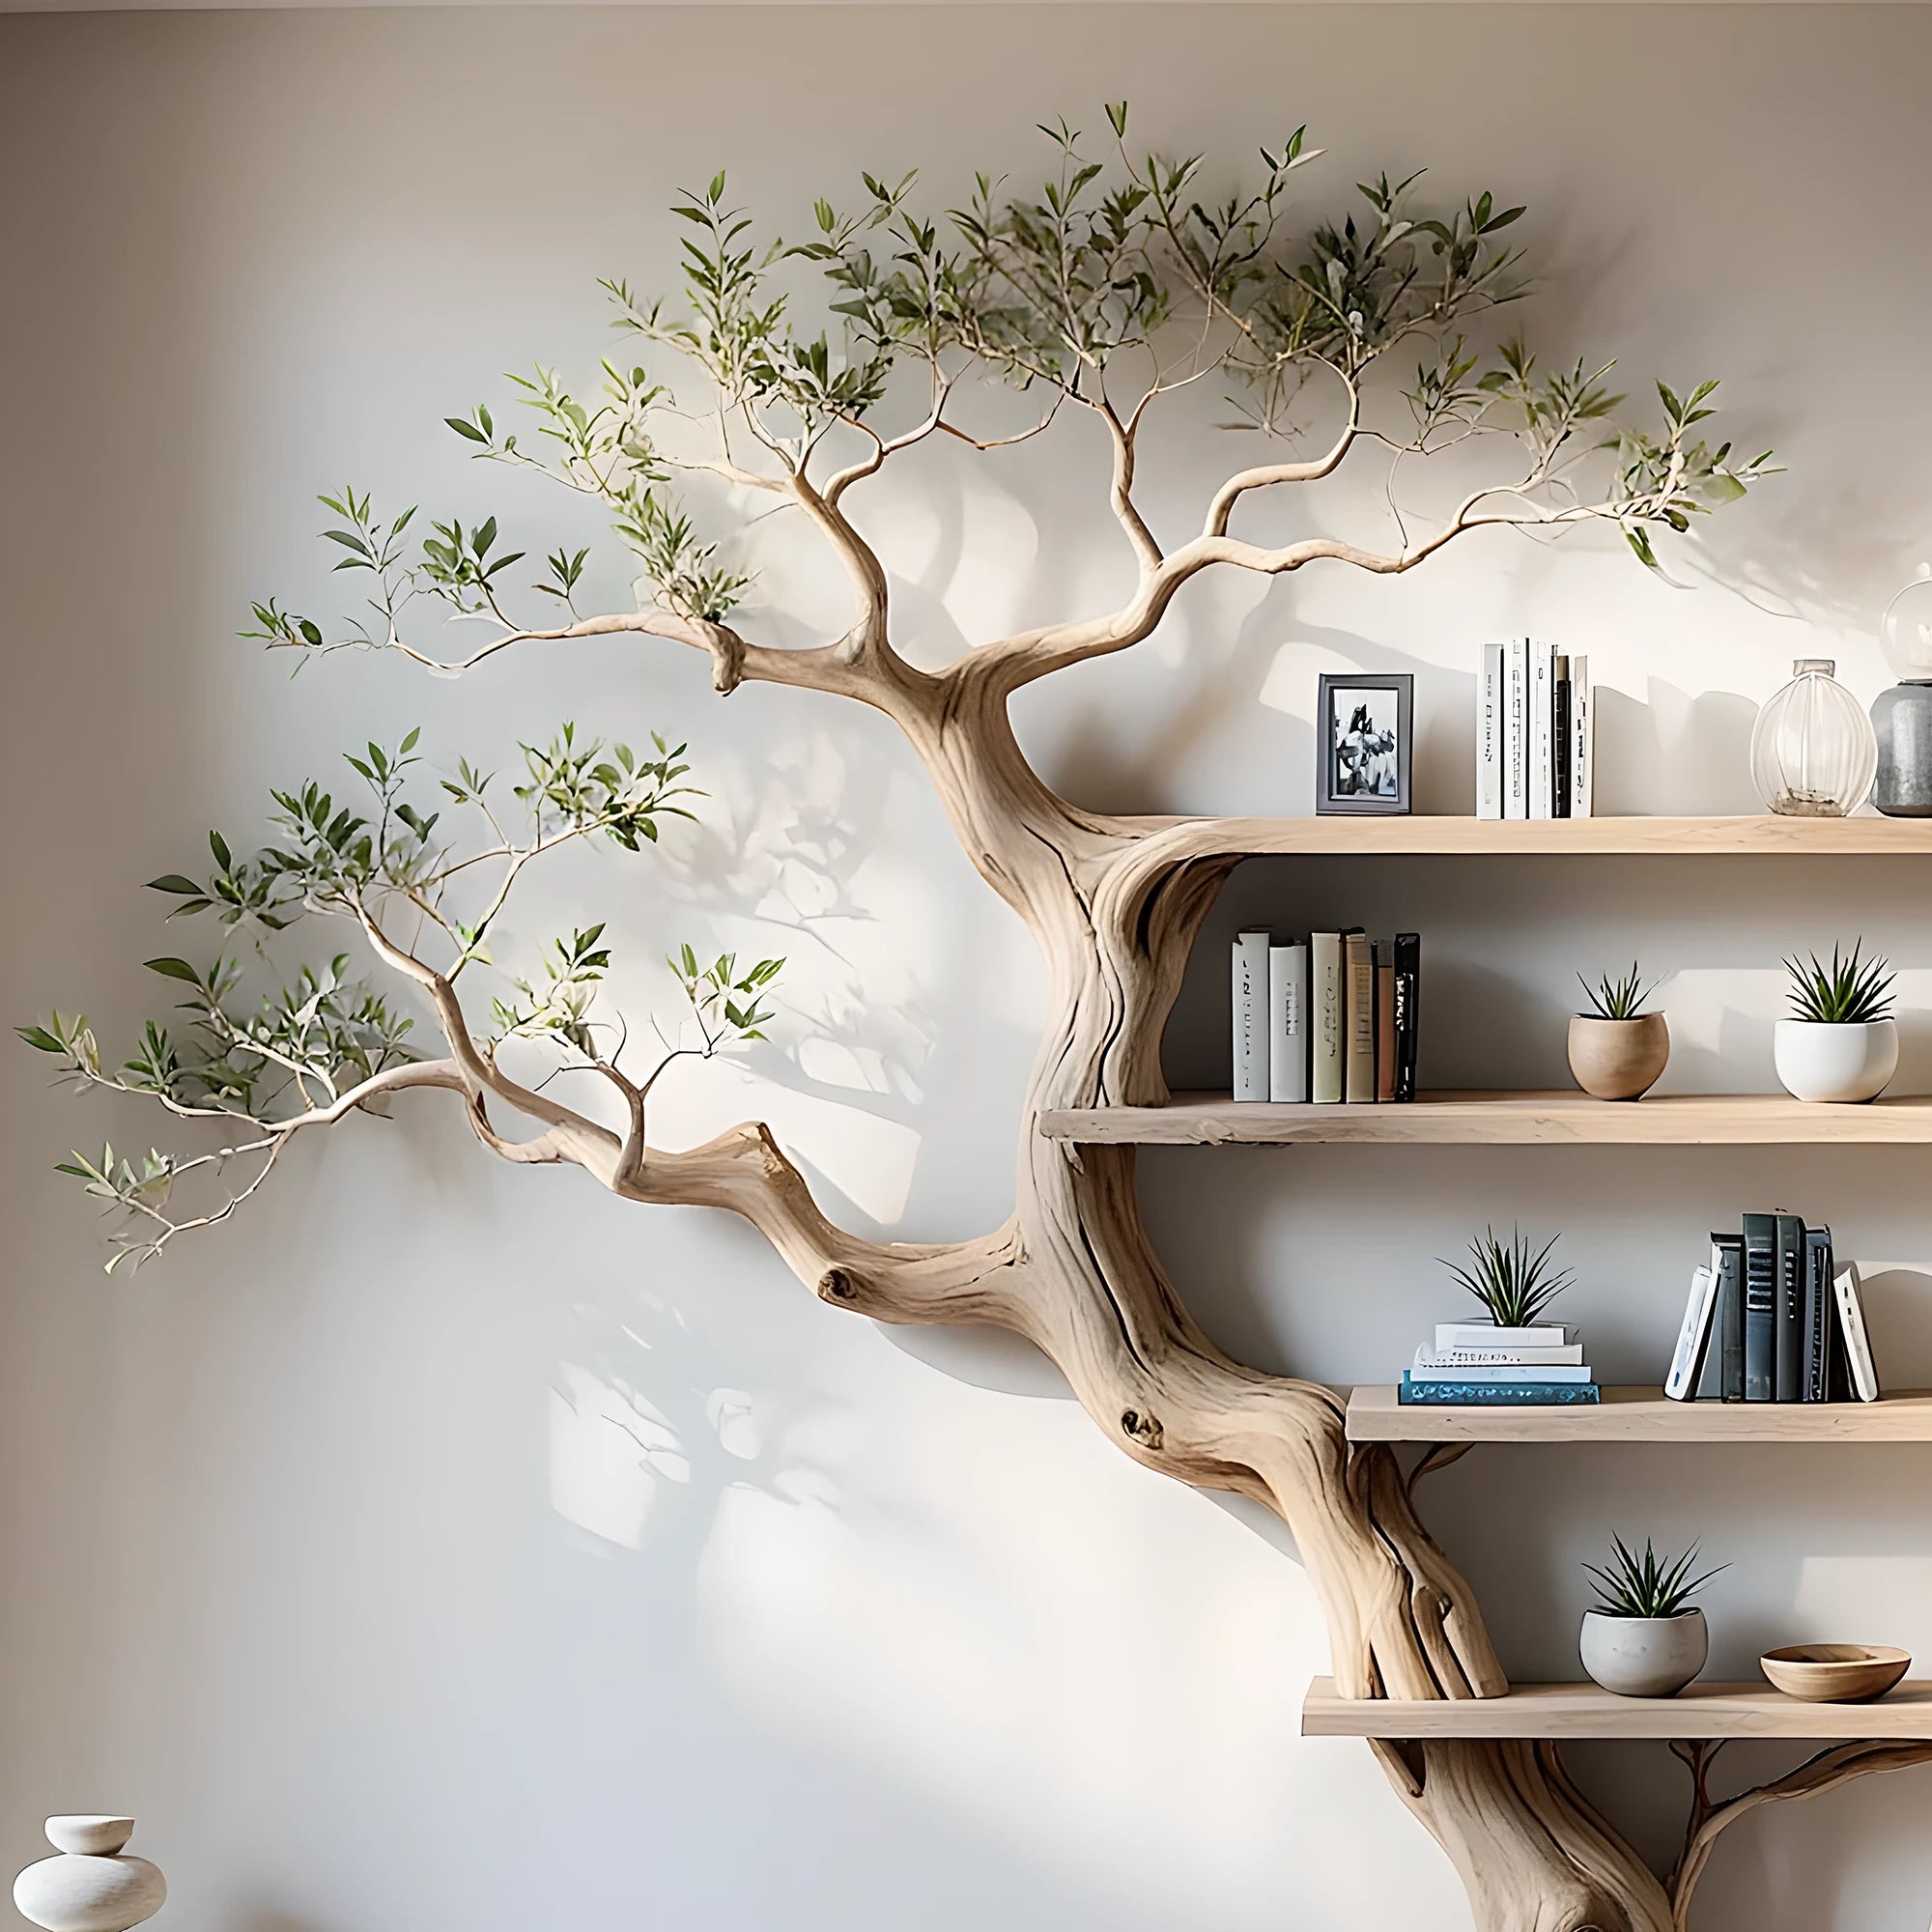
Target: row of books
(1330,1018)
(1772,1319)
(1475,1364)
(1533,732)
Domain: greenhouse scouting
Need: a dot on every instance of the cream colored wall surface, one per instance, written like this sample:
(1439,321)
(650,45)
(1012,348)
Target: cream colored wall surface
(446,1546)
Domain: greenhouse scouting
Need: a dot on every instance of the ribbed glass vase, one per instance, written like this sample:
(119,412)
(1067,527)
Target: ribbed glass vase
(1813,751)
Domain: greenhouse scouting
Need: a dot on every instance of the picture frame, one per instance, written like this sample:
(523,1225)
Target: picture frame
(1364,727)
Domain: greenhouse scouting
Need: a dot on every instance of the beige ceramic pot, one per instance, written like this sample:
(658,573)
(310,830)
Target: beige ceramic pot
(1618,1060)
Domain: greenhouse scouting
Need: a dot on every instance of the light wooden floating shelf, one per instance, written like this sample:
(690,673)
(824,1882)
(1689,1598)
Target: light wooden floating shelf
(1512,1120)
(1637,1413)
(1583,1711)
(1607,837)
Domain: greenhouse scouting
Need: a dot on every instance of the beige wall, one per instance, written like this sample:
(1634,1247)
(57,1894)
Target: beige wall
(443,1546)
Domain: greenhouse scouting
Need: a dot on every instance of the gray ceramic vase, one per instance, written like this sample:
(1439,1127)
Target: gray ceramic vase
(1902,719)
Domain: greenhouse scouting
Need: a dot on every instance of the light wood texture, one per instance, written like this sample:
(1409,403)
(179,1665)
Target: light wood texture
(1503,1120)
(1763,835)
(1558,1711)
(1639,1413)
(1836,1673)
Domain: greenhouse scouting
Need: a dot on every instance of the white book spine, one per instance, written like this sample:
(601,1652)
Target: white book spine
(1568,1356)
(1541,759)
(1683,1377)
(1505,1375)
(1482,1335)
(1581,709)
(1516,725)
(1325,1055)
(1250,998)
(1288,1023)
(1852,1327)
(1489,734)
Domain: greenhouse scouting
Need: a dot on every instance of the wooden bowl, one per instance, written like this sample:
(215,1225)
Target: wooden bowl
(1834,1673)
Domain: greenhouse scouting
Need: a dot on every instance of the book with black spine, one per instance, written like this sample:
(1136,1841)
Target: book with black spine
(1359,968)
(1760,1237)
(1385,1040)
(1721,1379)
(1818,1315)
(1408,1011)
(1560,736)
(1287,1022)
(1790,1340)
(1251,1024)
(1324,1013)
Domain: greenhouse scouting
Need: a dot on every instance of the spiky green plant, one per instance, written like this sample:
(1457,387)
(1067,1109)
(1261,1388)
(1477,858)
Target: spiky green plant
(1847,992)
(1646,1586)
(1512,1283)
(1618,998)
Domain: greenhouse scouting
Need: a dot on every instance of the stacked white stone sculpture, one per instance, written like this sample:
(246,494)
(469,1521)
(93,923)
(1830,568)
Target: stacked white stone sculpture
(91,1887)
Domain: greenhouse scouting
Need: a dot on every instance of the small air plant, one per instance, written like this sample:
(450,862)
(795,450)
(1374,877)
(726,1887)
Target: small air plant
(1514,1285)
(1618,998)
(1649,1585)
(1848,992)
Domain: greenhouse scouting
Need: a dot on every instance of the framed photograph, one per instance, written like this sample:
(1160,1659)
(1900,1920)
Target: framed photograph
(1362,732)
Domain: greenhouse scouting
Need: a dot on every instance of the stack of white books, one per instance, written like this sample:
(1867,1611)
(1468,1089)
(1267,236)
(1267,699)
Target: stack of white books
(1477,1364)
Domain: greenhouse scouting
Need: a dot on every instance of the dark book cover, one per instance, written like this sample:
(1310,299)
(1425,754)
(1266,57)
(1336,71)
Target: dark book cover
(1818,1314)
(1408,1011)
(1493,1395)
(1721,1378)
(1760,1237)
(1562,695)
(1789,1381)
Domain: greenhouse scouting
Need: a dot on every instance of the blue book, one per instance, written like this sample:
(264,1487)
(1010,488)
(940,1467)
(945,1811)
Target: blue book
(1492,1395)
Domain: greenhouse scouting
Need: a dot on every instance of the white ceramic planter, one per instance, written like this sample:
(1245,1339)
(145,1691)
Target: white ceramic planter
(1820,1061)
(1644,1657)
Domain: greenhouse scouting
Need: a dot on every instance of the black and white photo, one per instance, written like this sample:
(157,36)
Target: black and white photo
(1362,730)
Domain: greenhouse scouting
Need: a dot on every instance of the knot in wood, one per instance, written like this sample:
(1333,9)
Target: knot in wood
(836,1285)
(1145,1430)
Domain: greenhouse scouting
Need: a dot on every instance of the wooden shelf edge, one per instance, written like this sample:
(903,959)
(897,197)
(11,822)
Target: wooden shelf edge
(1640,1412)
(1502,1119)
(1583,1711)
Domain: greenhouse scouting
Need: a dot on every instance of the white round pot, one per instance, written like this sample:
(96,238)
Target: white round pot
(1644,1657)
(1820,1061)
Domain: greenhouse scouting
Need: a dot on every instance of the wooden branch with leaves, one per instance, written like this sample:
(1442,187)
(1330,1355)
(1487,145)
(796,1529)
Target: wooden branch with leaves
(790,375)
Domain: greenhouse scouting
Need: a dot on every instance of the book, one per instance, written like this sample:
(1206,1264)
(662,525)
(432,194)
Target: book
(1539,752)
(1692,1336)
(1864,1371)
(1516,721)
(1386,1043)
(1489,734)
(1818,1351)
(1251,979)
(1486,1335)
(1559,738)
(1287,1022)
(1580,735)
(1722,1375)
(1760,1237)
(1408,1011)
(1359,966)
(1493,1395)
(1564,1354)
(1789,1341)
(1324,1016)
(1504,1375)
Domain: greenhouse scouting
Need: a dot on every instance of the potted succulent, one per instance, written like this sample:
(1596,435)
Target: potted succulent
(1840,1042)
(1617,1049)
(1514,1285)
(1643,1639)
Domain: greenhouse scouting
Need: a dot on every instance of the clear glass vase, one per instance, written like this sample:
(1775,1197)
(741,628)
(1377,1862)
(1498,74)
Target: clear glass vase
(1813,751)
